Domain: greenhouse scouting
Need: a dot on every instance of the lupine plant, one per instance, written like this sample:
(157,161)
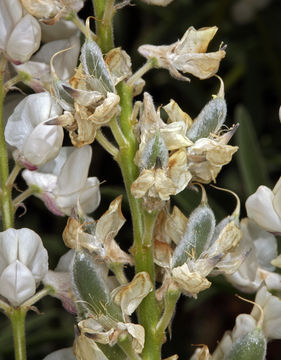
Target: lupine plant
(83,90)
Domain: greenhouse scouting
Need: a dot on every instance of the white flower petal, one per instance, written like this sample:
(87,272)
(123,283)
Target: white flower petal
(277,197)
(24,39)
(62,354)
(260,209)
(272,313)
(17,283)
(74,172)
(43,144)
(31,111)
(10,14)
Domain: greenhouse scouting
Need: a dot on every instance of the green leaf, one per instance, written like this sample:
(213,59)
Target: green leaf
(197,236)
(250,160)
(90,286)
(94,65)
(210,119)
(249,347)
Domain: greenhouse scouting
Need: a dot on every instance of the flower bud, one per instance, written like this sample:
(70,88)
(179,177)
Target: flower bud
(37,143)
(23,264)
(20,32)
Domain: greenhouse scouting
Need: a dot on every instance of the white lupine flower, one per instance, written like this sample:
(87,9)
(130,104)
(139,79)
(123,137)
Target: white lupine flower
(261,247)
(188,55)
(63,29)
(264,207)
(23,264)
(62,354)
(20,32)
(271,306)
(64,181)
(64,63)
(60,281)
(36,143)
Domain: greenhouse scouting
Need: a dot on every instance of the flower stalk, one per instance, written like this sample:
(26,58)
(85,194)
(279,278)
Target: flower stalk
(6,200)
(17,318)
(104,10)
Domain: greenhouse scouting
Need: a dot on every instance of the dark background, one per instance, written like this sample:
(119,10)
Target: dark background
(252,76)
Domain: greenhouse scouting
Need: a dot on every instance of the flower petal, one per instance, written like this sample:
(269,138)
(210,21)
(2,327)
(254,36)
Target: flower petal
(260,209)
(17,283)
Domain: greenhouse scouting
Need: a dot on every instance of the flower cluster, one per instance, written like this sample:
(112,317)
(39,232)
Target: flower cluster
(161,151)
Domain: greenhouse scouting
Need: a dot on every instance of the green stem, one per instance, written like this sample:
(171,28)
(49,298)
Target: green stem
(17,317)
(25,194)
(117,133)
(111,149)
(119,273)
(126,345)
(149,222)
(150,64)
(171,299)
(4,306)
(72,16)
(148,311)
(6,200)
(21,76)
(13,175)
(104,10)
(38,296)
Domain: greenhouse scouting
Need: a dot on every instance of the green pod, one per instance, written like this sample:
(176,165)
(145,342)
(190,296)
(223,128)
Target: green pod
(210,119)
(65,100)
(197,236)
(154,152)
(90,286)
(249,347)
(112,352)
(94,65)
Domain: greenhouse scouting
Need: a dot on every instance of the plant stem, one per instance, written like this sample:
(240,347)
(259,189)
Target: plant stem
(72,16)
(21,76)
(6,200)
(148,311)
(111,149)
(104,10)
(171,299)
(25,194)
(117,133)
(17,317)
(38,296)
(150,64)
(126,345)
(13,175)
(149,222)
(119,273)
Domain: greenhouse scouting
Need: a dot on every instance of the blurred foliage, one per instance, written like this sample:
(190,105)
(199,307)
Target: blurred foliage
(252,75)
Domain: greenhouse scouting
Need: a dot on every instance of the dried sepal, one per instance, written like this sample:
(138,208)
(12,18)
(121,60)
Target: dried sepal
(176,114)
(201,354)
(176,225)
(86,349)
(129,296)
(119,64)
(187,55)
(190,283)
(207,157)
(106,110)
(137,333)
